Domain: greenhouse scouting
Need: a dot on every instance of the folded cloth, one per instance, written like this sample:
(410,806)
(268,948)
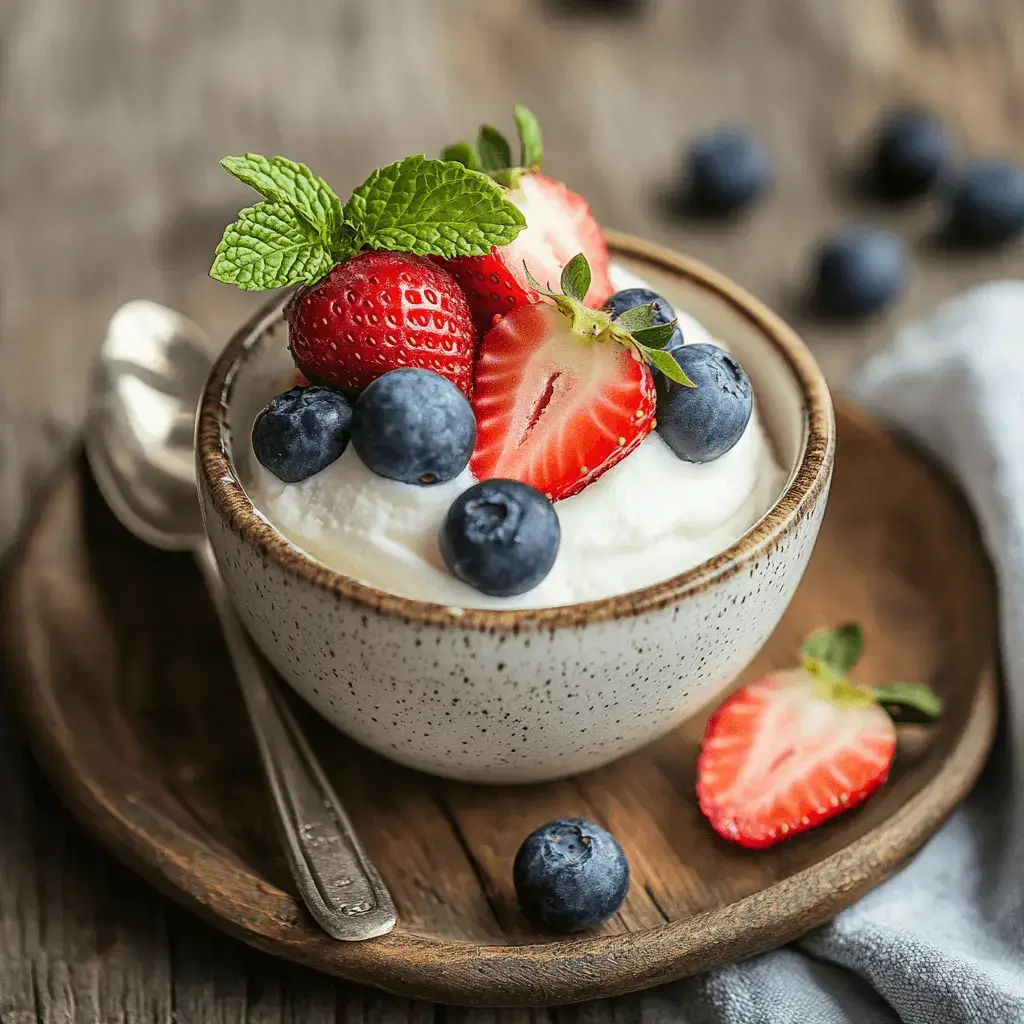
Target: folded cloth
(942,941)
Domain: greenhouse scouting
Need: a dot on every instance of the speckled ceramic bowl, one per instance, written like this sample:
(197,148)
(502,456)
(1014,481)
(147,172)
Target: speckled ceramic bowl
(522,696)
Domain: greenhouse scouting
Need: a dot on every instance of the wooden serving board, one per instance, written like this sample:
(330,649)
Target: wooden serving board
(131,706)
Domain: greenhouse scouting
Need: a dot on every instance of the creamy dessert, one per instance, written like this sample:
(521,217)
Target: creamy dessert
(465,435)
(648,518)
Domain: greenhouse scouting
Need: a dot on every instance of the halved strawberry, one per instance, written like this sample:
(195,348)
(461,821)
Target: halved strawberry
(561,392)
(798,747)
(559,224)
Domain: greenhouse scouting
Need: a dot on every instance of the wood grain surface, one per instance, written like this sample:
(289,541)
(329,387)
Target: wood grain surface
(138,723)
(113,114)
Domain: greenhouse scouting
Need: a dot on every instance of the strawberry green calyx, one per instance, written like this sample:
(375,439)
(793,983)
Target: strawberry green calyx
(492,152)
(301,230)
(829,655)
(634,328)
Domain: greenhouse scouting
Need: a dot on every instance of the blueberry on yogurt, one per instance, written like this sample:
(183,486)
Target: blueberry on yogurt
(570,874)
(414,426)
(501,537)
(701,423)
(302,432)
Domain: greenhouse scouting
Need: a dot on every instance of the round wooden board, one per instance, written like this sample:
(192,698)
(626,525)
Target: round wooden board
(133,711)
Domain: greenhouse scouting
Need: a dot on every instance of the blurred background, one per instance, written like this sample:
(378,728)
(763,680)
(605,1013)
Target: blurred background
(114,114)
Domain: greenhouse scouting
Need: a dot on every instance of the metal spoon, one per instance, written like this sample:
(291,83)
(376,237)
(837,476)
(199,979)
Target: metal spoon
(140,444)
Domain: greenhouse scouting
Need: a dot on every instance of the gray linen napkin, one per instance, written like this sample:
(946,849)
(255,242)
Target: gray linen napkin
(943,941)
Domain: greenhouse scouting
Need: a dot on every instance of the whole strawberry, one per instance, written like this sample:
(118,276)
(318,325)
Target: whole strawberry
(798,747)
(563,392)
(559,224)
(377,312)
(374,302)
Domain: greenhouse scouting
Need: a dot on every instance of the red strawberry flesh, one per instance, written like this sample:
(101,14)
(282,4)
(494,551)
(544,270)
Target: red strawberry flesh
(778,759)
(559,225)
(380,311)
(551,411)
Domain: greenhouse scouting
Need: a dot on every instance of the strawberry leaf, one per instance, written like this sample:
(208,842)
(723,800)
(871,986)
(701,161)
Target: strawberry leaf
(837,648)
(270,246)
(655,336)
(495,152)
(464,153)
(431,208)
(915,696)
(636,318)
(530,140)
(575,280)
(287,182)
(669,367)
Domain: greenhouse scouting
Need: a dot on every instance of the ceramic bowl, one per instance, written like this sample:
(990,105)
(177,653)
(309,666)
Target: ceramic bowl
(525,695)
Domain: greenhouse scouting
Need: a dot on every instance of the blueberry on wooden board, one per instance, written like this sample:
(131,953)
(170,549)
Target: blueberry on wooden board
(911,150)
(855,272)
(986,204)
(570,874)
(726,171)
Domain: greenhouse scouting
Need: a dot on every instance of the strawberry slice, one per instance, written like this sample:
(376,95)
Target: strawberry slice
(552,412)
(561,392)
(798,747)
(559,224)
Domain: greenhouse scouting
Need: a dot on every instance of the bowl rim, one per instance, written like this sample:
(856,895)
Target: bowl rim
(217,476)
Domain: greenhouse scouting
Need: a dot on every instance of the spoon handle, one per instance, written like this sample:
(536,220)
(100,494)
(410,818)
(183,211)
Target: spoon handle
(335,878)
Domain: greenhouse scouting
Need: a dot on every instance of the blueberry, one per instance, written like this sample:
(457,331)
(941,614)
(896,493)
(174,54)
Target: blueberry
(856,271)
(302,432)
(911,150)
(727,169)
(414,426)
(570,874)
(986,206)
(701,424)
(501,537)
(663,311)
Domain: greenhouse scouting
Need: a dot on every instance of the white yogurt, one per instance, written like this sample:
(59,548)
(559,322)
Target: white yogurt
(649,518)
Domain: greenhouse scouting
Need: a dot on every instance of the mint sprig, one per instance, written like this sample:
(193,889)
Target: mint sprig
(492,152)
(270,245)
(300,230)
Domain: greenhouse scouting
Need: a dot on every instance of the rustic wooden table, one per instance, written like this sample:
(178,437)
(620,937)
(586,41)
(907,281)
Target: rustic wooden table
(113,115)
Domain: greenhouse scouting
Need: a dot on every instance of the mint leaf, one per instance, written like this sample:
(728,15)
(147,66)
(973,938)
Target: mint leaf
(575,280)
(284,181)
(636,318)
(655,336)
(431,208)
(915,696)
(495,152)
(464,153)
(668,366)
(530,140)
(838,648)
(270,246)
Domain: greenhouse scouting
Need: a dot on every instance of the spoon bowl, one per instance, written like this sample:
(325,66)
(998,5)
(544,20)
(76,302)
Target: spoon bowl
(140,437)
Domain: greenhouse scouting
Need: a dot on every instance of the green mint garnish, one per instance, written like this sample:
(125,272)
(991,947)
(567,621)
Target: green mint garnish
(431,208)
(301,230)
(492,152)
(284,181)
(595,325)
(830,654)
(270,245)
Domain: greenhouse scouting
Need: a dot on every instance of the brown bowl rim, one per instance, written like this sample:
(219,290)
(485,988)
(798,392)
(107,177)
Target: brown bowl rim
(229,499)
